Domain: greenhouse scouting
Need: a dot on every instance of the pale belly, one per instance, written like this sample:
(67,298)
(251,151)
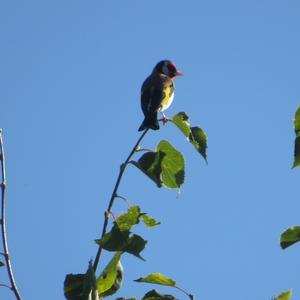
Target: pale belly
(167,101)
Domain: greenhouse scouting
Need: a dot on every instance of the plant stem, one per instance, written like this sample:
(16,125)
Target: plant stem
(115,194)
(5,285)
(185,292)
(4,238)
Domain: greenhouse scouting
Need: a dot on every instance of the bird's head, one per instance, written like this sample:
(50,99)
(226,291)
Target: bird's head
(167,68)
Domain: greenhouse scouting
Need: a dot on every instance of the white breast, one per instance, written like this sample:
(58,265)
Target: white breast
(167,105)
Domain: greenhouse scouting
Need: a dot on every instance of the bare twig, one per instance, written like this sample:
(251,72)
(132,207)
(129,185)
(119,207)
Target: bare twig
(4,238)
(5,285)
(115,194)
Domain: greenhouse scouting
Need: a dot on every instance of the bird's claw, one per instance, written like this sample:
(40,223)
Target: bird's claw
(165,120)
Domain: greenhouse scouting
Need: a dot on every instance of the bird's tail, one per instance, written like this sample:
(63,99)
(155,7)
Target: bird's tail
(150,122)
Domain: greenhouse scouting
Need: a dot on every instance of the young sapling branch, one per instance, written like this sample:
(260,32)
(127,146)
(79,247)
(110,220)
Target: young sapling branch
(115,194)
(3,224)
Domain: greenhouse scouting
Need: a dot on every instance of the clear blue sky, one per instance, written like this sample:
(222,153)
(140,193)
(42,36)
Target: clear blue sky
(70,80)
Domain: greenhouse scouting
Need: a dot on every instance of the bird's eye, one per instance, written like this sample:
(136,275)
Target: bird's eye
(165,69)
(172,69)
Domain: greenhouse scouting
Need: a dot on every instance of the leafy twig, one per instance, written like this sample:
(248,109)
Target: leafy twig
(4,238)
(115,194)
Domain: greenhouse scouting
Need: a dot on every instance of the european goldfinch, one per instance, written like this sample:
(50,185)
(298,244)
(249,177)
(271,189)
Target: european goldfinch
(157,93)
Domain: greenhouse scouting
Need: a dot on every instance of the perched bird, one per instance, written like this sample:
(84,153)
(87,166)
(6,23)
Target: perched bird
(157,93)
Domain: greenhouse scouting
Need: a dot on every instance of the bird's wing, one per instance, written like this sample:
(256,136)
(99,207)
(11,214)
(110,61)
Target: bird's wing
(152,94)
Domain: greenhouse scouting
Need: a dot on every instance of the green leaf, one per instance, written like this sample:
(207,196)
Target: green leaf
(181,120)
(290,237)
(284,296)
(81,286)
(297,140)
(199,140)
(117,240)
(150,164)
(172,165)
(127,220)
(155,295)
(297,121)
(110,280)
(157,278)
(2,264)
(73,286)
(165,166)
(135,246)
(297,152)
(148,221)
(89,284)
(195,135)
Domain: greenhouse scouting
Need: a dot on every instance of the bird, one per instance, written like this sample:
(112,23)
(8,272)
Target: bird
(157,93)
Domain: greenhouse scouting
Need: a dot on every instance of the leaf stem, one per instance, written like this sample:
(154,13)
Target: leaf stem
(125,199)
(145,149)
(185,292)
(3,223)
(115,194)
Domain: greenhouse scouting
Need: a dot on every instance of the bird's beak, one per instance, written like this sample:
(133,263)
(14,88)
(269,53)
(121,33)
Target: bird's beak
(178,73)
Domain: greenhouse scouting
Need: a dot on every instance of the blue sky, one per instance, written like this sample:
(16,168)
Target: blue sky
(70,80)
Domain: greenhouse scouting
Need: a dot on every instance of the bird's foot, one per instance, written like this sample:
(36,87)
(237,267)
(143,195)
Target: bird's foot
(165,120)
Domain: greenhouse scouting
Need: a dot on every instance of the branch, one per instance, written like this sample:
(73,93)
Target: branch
(115,194)
(5,285)
(4,238)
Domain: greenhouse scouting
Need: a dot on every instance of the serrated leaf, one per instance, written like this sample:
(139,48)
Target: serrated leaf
(73,286)
(117,240)
(199,140)
(81,286)
(157,278)
(127,220)
(148,221)
(110,280)
(150,164)
(2,264)
(172,165)
(120,298)
(284,296)
(155,295)
(297,153)
(297,121)
(181,120)
(290,237)
(165,166)
(89,284)
(195,135)
(297,139)
(135,246)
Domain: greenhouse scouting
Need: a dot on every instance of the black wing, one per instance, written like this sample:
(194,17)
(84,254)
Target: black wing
(152,94)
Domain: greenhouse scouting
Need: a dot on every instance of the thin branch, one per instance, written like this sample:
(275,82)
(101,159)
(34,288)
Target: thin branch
(115,194)
(4,238)
(6,286)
